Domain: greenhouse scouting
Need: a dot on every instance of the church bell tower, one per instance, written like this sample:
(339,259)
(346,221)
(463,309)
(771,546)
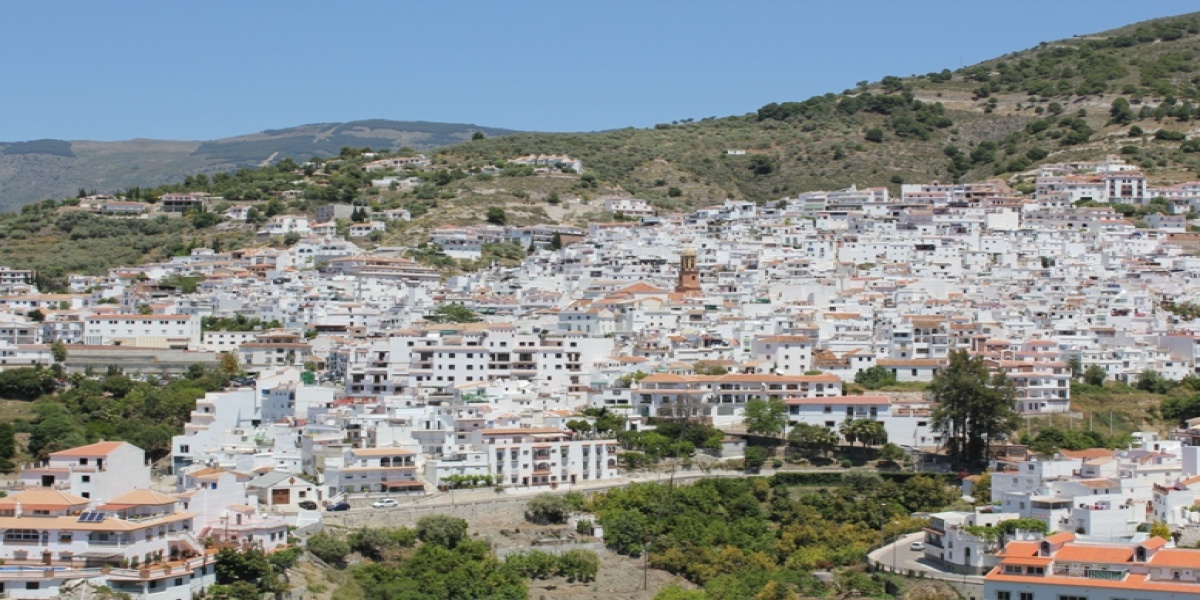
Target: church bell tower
(689,275)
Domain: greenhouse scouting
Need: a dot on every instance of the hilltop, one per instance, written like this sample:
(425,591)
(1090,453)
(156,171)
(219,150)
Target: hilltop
(1002,117)
(40,169)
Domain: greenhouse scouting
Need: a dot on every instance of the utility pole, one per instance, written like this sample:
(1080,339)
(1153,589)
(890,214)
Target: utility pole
(883,534)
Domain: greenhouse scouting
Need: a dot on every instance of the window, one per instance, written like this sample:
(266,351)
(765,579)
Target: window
(1003,595)
(1026,596)
(86,479)
(1065,597)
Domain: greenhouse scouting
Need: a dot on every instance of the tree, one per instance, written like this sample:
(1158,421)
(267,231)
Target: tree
(1160,530)
(811,438)
(58,351)
(478,135)
(871,432)
(1121,113)
(761,164)
(1152,381)
(849,431)
(891,453)
(229,364)
(875,377)
(579,426)
(765,417)
(36,315)
(26,383)
(329,548)
(1094,375)
(8,447)
(874,134)
(556,242)
(972,407)
(452,313)
(497,216)
(756,457)
(443,530)
(982,490)
(545,509)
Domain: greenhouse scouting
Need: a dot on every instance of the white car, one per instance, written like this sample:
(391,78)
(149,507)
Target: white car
(918,546)
(385,503)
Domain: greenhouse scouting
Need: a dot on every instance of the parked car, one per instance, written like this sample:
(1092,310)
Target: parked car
(339,506)
(916,546)
(308,505)
(385,503)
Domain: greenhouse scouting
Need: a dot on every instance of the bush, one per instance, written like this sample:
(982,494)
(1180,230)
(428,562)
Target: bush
(26,383)
(584,527)
(331,549)
(875,377)
(756,457)
(444,530)
(545,509)
(574,565)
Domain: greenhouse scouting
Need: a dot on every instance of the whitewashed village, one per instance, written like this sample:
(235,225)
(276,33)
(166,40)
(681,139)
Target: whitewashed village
(379,379)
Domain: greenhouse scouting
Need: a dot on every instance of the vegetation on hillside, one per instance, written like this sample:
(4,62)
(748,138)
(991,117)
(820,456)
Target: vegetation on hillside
(754,537)
(80,409)
(438,560)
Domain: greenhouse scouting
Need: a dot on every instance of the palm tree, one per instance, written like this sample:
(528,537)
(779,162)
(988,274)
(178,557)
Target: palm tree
(872,433)
(849,430)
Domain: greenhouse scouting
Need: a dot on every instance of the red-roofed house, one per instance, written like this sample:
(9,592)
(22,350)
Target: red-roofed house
(98,472)
(1060,567)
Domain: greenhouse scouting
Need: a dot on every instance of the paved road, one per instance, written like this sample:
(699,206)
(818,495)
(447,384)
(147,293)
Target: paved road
(900,557)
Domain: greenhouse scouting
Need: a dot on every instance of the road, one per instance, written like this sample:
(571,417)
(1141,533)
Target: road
(900,557)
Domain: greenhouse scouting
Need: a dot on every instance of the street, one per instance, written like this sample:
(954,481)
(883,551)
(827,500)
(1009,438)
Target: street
(901,558)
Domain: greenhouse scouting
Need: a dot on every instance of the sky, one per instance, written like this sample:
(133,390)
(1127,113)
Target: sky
(201,70)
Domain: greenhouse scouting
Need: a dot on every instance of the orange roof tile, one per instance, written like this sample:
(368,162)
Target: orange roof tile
(1078,553)
(97,449)
(1176,558)
(1060,537)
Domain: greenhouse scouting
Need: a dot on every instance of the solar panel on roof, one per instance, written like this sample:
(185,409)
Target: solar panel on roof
(91,517)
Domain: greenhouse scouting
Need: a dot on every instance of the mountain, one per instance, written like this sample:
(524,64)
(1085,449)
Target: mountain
(41,169)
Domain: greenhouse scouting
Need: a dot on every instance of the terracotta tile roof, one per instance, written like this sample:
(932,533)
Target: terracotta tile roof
(41,499)
(1087,454)
(1176,558)
(90,450)
(141,498)
(842,400)
(1077,553)
(1060,537)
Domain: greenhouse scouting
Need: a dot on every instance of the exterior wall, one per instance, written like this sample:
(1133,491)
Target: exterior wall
(105,330)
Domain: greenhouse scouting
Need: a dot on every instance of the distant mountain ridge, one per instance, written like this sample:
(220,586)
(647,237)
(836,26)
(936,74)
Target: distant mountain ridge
(39,169)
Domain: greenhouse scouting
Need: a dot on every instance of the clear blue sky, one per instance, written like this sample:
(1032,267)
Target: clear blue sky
(171,69)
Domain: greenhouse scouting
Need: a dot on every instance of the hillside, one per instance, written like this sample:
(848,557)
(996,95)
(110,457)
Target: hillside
(998,118)
(40,169)
(1131,91)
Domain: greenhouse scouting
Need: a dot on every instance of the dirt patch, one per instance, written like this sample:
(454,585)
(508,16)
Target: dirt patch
(619,577)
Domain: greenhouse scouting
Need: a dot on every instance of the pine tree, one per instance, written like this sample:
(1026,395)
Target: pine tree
(973,407)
